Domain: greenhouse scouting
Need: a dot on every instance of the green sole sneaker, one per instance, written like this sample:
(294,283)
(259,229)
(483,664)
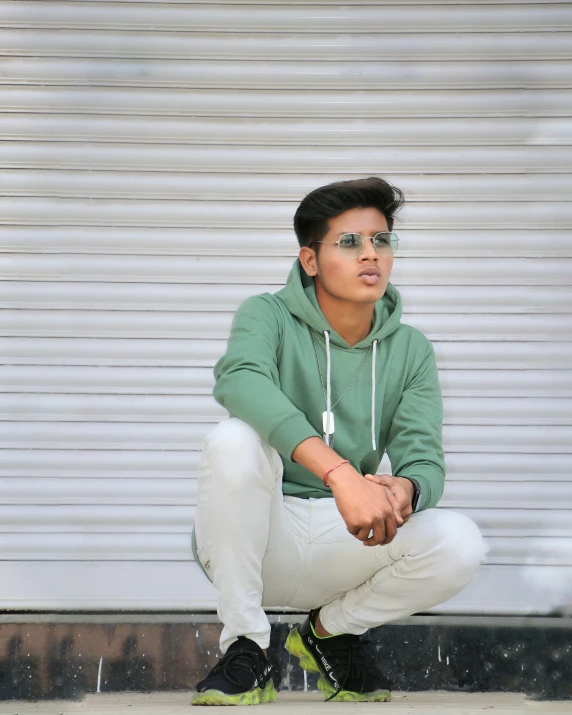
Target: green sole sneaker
(250,697)
(296,647)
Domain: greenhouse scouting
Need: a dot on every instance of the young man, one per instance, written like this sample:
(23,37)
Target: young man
(320,379)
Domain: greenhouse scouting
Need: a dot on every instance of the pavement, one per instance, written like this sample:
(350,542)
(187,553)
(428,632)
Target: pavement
(289,703)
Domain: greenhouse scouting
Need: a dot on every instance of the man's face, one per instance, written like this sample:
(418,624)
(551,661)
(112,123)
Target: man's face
(355,280)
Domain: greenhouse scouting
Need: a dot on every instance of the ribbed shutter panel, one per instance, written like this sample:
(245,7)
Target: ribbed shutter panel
(153,156)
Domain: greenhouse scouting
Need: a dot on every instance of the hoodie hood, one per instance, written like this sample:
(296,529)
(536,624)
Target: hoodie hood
(299,296)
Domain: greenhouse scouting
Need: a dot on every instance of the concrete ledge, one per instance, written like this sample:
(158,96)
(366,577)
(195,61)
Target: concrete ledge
(487,621)
(69,655)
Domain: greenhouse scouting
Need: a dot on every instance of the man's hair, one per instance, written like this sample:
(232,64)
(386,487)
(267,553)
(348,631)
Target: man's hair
(326,202)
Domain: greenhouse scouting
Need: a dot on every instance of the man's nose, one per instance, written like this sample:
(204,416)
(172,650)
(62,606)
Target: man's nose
(368,251)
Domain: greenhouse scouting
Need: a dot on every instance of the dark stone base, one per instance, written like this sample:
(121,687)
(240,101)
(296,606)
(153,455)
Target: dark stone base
(55,656)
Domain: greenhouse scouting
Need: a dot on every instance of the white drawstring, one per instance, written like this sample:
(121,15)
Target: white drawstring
(373,395)
(327,436)
(328,388)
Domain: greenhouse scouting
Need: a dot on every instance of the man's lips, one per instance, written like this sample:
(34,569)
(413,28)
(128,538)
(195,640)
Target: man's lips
(370,276)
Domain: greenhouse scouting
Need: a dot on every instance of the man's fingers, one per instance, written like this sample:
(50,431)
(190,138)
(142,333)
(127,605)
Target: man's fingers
(395,506)
(354,530)
(390,528)
(383,533)
(378,536)
(384,479)
(364,534)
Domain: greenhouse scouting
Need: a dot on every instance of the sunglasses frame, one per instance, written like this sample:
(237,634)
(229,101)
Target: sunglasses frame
(393,242)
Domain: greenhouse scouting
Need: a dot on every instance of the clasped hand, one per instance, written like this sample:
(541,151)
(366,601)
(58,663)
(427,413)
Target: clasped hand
(373,507)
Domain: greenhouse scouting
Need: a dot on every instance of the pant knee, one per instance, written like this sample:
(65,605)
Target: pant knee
(234,454)
(451,544)
(463,549)
(232,436)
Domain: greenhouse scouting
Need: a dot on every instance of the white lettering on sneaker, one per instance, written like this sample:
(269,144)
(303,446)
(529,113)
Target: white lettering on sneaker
(265,673)
(327,666)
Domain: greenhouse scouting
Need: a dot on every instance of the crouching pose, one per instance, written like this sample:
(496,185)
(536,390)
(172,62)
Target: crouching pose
(320,379)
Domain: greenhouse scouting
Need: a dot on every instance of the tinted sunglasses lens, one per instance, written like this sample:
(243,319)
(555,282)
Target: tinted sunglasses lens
(350,244)
(385,242)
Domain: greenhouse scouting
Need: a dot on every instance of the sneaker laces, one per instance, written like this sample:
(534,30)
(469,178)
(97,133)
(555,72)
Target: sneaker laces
(237,661)
(349,655)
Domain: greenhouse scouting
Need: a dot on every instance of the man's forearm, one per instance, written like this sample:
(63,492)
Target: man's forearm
(317,457)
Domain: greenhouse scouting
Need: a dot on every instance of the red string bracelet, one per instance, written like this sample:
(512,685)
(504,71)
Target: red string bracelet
(331,469)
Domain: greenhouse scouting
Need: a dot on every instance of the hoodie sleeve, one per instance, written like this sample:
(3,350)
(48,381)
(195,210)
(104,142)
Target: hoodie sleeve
(248,382)
(414,445)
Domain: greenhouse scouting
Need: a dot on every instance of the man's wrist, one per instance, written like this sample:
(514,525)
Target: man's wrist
(416,496)
(340,475)
(331,469)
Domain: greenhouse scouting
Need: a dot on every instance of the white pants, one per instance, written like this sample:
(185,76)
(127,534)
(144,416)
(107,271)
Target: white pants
(262,549)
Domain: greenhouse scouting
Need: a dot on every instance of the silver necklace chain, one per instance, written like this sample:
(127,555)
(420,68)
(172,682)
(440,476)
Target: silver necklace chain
(322,379)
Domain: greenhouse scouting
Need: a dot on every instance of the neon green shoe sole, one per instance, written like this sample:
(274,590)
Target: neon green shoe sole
(251,697)
(295,646)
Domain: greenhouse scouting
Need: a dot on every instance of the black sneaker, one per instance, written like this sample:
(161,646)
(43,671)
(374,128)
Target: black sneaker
(243,676)
(341,661)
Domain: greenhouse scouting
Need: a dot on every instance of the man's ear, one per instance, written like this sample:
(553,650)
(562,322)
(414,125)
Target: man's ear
(308,260)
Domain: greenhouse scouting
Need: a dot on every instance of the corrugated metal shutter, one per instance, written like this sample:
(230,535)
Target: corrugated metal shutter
(153,156)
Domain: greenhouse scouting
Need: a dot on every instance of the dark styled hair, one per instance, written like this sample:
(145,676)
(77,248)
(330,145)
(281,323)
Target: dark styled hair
(326,202)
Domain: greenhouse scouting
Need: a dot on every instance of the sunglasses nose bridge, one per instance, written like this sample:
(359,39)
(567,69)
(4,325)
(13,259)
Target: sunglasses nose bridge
(370,242)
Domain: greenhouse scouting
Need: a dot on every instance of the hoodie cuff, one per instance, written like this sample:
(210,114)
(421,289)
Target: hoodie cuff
(416,494)
(287,435)
(426,496)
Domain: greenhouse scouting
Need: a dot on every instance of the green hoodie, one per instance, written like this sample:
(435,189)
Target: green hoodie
(269,378)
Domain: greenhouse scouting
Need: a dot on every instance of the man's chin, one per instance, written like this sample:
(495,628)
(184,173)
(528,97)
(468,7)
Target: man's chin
(372,295)
(366,299)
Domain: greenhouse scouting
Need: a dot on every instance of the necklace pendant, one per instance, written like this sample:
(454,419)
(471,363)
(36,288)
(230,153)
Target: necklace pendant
(325,426)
